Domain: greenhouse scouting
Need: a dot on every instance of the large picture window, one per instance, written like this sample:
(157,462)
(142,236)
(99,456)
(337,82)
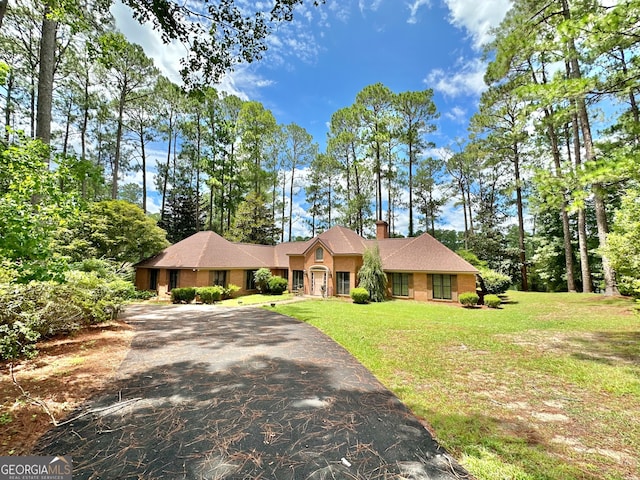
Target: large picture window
(173,279)
(400,285)
(298,279)
(250,280)
(153,279)
(219,277)
(442,287)
(343,283)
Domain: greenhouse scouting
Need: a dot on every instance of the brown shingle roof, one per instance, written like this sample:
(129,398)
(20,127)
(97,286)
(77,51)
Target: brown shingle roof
(419,254)
(339,241)
(210,250)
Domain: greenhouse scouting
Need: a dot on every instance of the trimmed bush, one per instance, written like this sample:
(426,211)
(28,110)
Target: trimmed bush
(495,282)
(277,285)
(360,295)
(262,277)
(183,295)
(492,301)
(468,299)
(230,291)
(210,295)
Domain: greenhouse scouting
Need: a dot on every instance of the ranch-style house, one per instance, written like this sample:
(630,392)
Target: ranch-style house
(419,268)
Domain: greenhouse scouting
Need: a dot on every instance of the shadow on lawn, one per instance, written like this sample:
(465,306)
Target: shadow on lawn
(610,348)
(209,401)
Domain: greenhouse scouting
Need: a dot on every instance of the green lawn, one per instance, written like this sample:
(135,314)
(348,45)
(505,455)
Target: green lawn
(547,387)
(255,299)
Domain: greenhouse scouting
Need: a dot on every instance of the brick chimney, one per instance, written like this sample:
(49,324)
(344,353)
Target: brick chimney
(382,230)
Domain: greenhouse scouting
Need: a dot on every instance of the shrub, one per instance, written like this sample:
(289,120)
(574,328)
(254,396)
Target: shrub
(210,295)
(494,282)
(468,299)
(37,310)
(277,285)
(492,301)
(17,340)
(262,277)
(183,295)
(629,286)
(230,291)
(360,295)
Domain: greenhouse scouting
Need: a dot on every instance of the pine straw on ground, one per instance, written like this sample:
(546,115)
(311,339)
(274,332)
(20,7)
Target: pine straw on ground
(66,372)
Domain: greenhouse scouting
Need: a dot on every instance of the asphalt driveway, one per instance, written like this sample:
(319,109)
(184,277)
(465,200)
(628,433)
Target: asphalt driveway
(208,392)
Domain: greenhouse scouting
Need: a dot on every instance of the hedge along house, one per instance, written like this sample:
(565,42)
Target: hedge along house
(419,268)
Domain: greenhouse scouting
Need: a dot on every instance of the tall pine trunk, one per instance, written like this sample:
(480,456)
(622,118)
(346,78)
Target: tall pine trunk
(45,77)
(590,156)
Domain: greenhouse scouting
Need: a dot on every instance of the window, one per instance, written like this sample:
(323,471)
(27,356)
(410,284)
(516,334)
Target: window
(400,285)
(173,279)
(250,281)
(319,254)
(298,279)
(153,279)
(343,279)
(218,277)
(442,287)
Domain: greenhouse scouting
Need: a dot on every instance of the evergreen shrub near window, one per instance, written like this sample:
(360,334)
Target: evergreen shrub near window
(492,301)
(210,295)
(262,277)
(495,282)
(468,299)
(230,291)
(360,295)
(183,295)
(277,285)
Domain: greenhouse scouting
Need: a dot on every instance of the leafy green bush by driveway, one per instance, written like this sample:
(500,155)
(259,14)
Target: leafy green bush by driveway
(29,312)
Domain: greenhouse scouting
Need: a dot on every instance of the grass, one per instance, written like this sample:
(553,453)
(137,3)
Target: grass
(546,387)
(255,299)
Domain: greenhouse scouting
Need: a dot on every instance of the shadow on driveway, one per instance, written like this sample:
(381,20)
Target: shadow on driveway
(215,393)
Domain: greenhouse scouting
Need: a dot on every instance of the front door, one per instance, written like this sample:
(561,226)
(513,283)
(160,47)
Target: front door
(318,283)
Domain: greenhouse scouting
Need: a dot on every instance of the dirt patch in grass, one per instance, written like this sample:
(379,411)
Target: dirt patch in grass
(67,371)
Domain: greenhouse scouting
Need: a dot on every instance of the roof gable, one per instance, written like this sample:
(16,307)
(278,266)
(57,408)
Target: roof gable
(419,254)
(338,241)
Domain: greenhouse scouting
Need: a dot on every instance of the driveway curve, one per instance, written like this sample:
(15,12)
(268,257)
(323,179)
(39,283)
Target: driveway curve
(208,392)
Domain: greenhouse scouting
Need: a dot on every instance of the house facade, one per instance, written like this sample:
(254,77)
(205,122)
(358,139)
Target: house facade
(419,268)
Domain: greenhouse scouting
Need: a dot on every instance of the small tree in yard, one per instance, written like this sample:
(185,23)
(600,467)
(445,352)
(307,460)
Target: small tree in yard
(262,277)
(371,277)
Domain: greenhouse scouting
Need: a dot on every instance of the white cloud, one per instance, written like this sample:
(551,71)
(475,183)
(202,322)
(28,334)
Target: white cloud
(477,17)
(465,78)
(414,7)
(457,114)
(165,56)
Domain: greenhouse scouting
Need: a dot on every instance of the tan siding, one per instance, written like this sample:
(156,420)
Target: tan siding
(187,278)
(296,263)
(142,278)
(346,264)
(236,277)
(421,290)
(466,283)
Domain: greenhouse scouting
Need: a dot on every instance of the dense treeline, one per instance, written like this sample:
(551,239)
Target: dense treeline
(546,182)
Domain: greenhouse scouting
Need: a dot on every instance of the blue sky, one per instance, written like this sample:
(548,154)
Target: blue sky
(318,63)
